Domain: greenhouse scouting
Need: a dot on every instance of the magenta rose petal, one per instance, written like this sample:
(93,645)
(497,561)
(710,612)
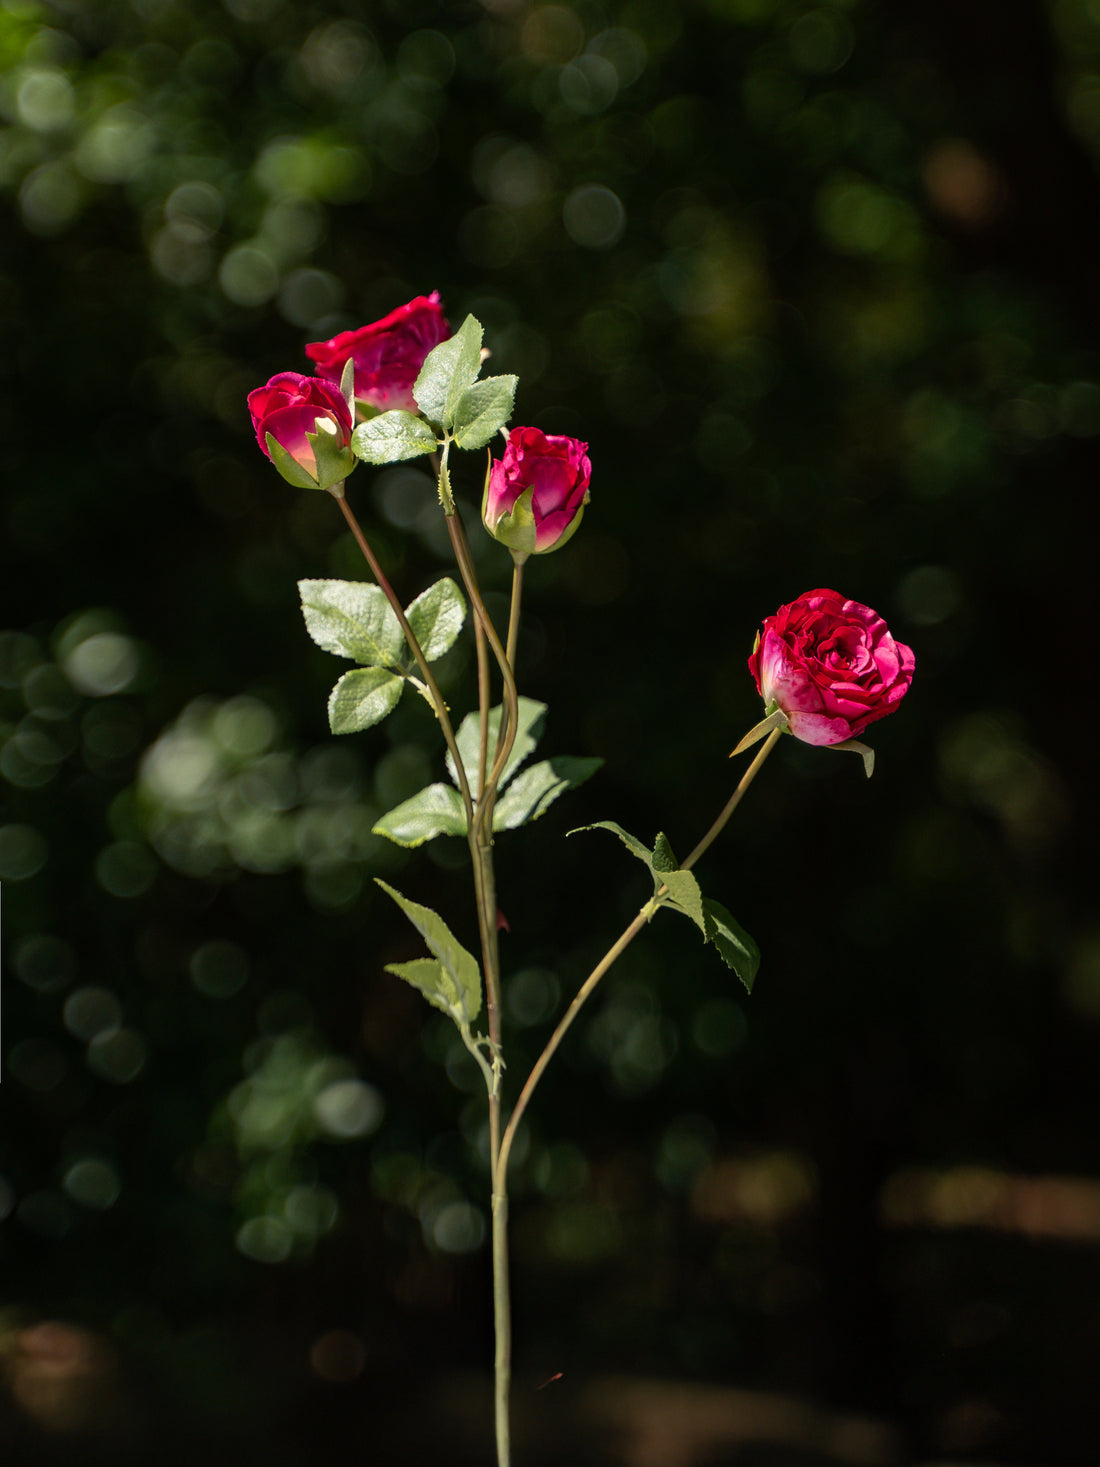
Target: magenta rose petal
(831,666)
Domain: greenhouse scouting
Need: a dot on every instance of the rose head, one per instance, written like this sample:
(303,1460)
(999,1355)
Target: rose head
(535,496)
(388,354)
(304,427)
(831,665)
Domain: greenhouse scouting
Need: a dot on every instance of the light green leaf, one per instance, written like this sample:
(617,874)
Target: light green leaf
(391,437)
(483,410)
(362,698)
(538,787)
(433,981)
(448,370)
(353,619)
(532,717)
(683,895)
(735,947)
(632,843)
(458,964)
(436,617)
(436,810)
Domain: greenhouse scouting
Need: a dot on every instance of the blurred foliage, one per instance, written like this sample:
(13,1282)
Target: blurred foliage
(816,280)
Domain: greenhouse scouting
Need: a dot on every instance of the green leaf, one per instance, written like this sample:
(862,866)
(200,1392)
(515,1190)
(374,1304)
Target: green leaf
(538,787)
(448,370)
(436,617)
(483,410)
(632,843)
(362,698)
(391,437)
(459,965)
(436,810)
(433,981)
(532,717)
(683,894)
(353,619)
(735,947)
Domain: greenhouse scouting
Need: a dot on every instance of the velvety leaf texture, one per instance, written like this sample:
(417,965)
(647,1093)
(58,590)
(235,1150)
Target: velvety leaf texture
(391,437)
(530,723)
(537,788)
(437,616)
(362,698)
(353,619)
(483,410)
(436,810)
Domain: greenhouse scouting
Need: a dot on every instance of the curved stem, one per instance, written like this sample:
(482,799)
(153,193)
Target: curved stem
(614,952)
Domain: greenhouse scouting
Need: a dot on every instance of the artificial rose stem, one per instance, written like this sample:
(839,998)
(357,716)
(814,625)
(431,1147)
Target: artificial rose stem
(513,614)
(410,636)
(511,697)
(500,1184)
(734,800)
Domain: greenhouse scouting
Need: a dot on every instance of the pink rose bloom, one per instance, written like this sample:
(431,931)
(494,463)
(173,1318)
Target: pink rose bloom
(291,408)
(536,494)
(831,665)
(388,354)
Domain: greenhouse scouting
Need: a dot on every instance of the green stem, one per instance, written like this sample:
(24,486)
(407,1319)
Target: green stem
(410,636)
(613,953)
(506,724)
(465,561)
(513,614)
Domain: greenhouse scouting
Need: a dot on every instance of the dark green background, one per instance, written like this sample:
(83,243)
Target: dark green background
(818,283)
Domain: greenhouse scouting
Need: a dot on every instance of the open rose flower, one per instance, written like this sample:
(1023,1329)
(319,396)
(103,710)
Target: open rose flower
(388,354)
(535,496)
(304,426)
(831,665)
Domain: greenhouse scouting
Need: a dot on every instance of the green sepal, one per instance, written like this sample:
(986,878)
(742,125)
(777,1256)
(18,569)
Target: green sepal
(347,386)
(334,461)
(435,810)
(537,788)
(735,947)
(483,410)
(529,729)
(449,370)
(436,617)
(460,966)
(774,718)
(853,746)
(353,619)
(362,698)
(392,437)
(516,527)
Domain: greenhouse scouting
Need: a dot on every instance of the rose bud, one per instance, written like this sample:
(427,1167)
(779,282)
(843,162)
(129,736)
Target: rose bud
(831,666)
(535,496)
(304,426)
(388,354)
